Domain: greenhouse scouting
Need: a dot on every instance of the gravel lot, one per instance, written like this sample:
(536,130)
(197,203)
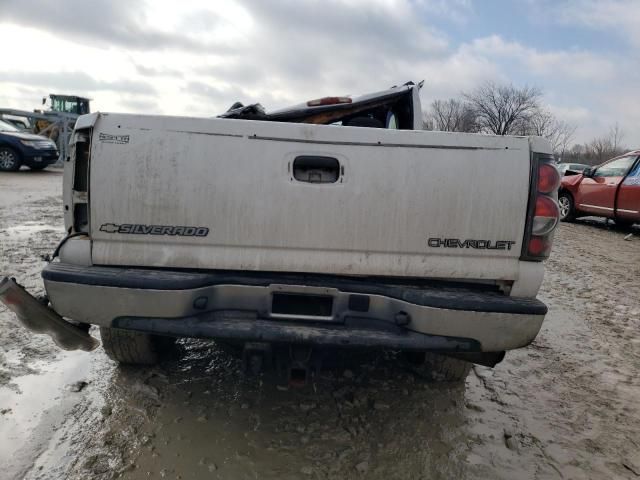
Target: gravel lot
(564,407)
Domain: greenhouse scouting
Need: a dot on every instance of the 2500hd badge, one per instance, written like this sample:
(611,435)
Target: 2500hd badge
(435,242)
(137,229)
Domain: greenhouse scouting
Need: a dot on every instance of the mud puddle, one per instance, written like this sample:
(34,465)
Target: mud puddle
(20,188)
(26,230)
(362,421)
(32,406)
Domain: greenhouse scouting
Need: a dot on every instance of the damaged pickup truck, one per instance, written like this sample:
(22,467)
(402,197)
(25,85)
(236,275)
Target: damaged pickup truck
(335,224)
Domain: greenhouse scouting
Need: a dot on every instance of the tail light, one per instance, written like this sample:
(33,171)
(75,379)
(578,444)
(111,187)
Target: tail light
(545,217)
(328,101)
(543,212)
(548,178)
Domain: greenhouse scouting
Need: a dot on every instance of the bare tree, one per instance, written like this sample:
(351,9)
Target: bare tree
(605,147)
(600,149)
(499,109)
(558,132)
(539,122)
(616,135)
(543,123)
(452,116)
(565,134)
(508,110)
(427,122)
(576,152)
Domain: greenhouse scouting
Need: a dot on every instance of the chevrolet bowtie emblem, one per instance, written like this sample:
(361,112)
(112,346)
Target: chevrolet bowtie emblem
(109,227)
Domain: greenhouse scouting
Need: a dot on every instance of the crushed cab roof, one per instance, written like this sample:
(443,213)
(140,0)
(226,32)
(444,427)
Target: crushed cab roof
(396,98)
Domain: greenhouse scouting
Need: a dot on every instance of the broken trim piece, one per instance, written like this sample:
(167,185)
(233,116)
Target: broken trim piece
(39,318)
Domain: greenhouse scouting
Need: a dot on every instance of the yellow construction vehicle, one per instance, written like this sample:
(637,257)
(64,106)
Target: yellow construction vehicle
(56,123)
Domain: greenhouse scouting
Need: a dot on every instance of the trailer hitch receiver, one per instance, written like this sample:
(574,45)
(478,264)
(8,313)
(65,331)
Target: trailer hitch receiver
(39,318)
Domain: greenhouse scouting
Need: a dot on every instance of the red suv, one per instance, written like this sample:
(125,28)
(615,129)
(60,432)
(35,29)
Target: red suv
(610,190)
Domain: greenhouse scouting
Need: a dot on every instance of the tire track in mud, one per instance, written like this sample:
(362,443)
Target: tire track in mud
(21,249)
(28,230)
(571,393)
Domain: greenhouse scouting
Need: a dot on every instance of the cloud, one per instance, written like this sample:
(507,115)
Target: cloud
(380,27)
(457,11)
(211,92)
(197,57)
(329,40)
(565,63)
(146,71)
(292,51)
(77,82)
(619,17)
(574,115)
(142,105)
(104,23)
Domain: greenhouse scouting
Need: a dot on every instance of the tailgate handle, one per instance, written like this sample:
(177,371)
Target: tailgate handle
(316,169)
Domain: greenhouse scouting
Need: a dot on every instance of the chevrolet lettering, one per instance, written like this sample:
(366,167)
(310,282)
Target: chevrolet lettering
(477,244)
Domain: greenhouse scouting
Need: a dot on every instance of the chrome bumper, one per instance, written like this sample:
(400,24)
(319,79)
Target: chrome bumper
(240,305)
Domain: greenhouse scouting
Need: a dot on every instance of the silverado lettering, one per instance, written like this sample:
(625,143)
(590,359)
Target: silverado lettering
(469,243)
(137,229)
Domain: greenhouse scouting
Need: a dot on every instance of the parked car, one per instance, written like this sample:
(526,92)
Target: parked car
(610,190)
(19,148)
(571,168)
(20,123)
(334,224)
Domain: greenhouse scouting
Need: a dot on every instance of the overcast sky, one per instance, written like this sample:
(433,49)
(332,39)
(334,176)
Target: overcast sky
(197,57)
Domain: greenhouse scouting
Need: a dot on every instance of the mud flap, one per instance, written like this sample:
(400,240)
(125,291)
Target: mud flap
(39,318)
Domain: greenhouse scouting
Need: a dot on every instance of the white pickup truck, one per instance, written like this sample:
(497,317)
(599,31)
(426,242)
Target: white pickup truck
(338,223)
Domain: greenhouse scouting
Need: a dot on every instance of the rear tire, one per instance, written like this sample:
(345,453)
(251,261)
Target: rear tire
(133,348)
(439,368)
(567,207)
(9,160)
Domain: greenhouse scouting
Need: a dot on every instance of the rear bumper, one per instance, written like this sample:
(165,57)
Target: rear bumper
(354,332)
(238,305)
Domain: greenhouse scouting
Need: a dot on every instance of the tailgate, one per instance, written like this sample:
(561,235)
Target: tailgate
(248,195)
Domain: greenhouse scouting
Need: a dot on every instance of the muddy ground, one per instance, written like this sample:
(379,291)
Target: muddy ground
(567,406)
